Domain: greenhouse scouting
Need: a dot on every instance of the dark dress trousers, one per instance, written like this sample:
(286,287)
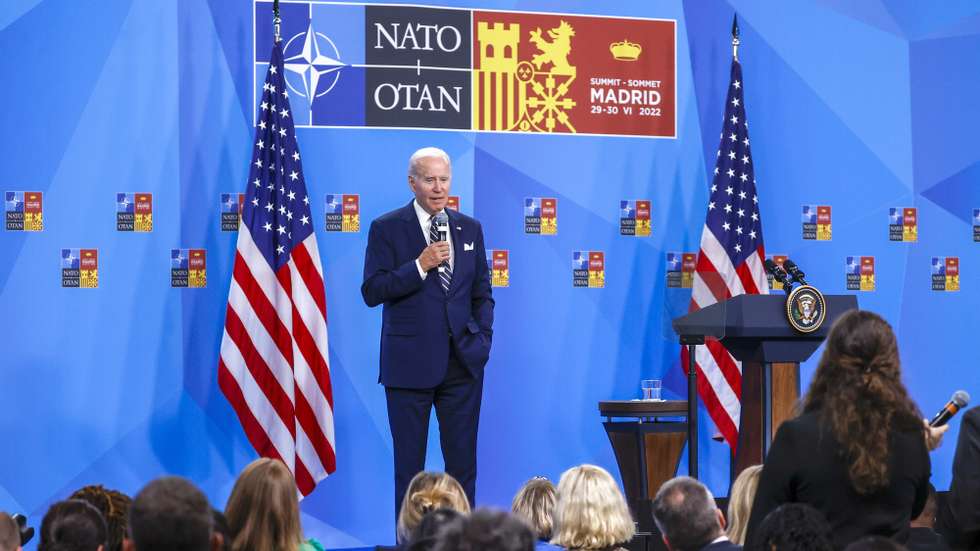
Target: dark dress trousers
(806,464)
(434,344)
(959,513)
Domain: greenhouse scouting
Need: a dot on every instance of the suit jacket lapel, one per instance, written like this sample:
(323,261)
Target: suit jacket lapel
(414,230)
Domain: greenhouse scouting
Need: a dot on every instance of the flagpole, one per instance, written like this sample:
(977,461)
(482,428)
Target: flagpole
(735,40)
(276,20)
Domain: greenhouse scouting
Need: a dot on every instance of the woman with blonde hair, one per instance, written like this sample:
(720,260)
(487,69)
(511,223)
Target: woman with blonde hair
(263,511)
(426,492)
(535,504)
(740,503)
(591,512)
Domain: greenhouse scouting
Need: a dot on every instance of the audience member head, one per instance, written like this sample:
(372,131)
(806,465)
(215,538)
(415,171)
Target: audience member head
(486,530)
(793,527)
(927,518)
(686,514)
(9,533)
(425,535)
(170,514)
(590,511)
(858,391)
(426,492)
(535,504)
(875,543)
(72,525)
(219,527)
(263,510)
(740,503)
(114,507)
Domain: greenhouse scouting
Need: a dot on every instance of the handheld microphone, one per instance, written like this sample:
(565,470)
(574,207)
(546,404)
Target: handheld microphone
(959,401)
(779,274)
(442,225)
(794,271)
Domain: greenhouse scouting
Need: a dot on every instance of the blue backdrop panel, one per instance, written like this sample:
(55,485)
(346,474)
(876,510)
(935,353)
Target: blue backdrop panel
(859,106)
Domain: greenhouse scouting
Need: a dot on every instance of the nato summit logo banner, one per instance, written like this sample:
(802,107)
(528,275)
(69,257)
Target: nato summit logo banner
(816,222)
(414,66)
(680,270)
(860,272)
(23,211)
(903,224)
(498,260)
(773,284)
(343,212)
(231,211)
(541,215)
(634,218)
(188,268)
(80,268)
(588,269)
(134,212)
(945,273)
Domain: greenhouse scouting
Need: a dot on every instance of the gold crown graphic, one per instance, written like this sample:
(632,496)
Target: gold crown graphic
(625,50)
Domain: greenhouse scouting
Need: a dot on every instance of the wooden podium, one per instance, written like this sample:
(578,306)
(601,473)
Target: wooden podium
(755,330)
(647,438)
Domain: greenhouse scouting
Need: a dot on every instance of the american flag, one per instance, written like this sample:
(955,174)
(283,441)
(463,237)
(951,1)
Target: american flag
(273,366)
(731,260)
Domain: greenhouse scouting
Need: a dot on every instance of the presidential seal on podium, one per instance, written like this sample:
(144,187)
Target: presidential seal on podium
(806,309)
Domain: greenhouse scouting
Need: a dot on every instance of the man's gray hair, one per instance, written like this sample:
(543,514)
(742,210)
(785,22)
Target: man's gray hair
(425,153)
(685,513)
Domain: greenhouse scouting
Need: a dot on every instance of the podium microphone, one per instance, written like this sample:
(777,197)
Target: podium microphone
(779,274)
(959,401)
(794,271)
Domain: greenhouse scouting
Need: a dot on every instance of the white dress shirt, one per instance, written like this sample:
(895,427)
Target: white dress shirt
(425,221)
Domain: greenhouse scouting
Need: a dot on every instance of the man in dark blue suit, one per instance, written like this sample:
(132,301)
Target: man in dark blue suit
(688,518)
(427,265)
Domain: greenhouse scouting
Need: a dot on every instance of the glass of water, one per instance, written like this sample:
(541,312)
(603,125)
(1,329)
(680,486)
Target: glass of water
(651,389)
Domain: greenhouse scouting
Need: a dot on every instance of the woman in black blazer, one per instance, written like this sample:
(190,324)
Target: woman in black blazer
(858,452)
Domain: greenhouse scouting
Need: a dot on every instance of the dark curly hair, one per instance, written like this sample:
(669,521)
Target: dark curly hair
(858,391)
(792,527)
(114,507)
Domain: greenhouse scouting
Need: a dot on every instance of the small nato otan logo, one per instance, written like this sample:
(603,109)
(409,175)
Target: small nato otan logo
(134,212)
(231,211)
(80,268)
(634,217)
(343,212)
(188,268)
(588,269)
(23,211)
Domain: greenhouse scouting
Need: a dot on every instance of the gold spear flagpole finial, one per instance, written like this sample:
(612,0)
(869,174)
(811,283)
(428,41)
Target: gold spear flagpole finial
(735,40)
(276,20)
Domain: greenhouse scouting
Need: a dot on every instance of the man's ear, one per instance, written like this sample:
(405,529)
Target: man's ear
(217,541)
(721,519)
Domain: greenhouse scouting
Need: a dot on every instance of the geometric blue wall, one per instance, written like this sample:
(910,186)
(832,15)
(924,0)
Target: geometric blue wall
(862,106)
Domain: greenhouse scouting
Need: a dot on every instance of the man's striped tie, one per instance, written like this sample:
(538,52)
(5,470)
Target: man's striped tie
(445,272)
